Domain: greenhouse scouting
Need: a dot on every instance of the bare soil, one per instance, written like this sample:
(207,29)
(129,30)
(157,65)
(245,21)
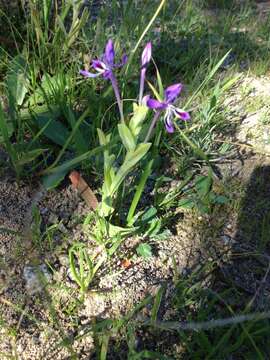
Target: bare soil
(233,238)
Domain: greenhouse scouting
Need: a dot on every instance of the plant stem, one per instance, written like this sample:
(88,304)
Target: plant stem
(153,123)
(143,72)
(117,95)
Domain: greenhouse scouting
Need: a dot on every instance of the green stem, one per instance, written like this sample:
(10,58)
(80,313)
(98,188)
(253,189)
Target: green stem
(151,127)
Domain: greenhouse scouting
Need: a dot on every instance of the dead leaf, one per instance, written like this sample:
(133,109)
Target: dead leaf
(126,263)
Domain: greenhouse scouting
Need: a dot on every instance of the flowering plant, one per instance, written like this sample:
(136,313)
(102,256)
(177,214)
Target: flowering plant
(134,131)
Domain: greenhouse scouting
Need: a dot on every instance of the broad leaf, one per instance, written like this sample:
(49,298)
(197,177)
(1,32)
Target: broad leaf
(127,137)
(4,133)
(53,128)
(53,180)
(203,185)
(186,203)
(144,250)
(137,119)
(74,162)
(17,80)
(149,215)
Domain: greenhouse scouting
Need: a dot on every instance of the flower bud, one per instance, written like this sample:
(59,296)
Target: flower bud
(146,54)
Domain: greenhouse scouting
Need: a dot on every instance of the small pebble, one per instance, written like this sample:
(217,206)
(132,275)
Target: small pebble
(227,240)
(36,278)
(64,260)
(53,219)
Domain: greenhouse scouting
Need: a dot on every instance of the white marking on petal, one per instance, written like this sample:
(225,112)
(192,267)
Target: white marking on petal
(169,114)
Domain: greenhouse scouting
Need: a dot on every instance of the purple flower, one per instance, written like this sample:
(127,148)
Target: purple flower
(145,59)
(146,54)
(105,65)
(171,111)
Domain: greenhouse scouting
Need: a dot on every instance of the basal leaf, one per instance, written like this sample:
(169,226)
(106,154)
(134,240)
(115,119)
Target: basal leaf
(55,130)
(17,80)
(53,180)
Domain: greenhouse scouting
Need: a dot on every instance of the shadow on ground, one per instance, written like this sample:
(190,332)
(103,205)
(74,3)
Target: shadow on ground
(249,268)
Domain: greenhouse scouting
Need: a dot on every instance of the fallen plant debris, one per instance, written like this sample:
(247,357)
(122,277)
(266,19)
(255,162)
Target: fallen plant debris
(83,189)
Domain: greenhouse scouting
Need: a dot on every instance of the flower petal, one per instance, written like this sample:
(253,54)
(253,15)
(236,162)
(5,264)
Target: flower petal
(122,63)
(184,115)
(172,92)
(146,54)
(99,66)
(87,74)
(109,52)
(155,104)
(107,74)
(145,100)
(169,127)
(124,59)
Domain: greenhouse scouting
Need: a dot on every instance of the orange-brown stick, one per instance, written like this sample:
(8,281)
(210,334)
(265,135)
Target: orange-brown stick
(83,189)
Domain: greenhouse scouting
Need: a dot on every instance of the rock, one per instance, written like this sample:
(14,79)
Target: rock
(53,219)
(64,260)
(36,278)
(43,210)
(94,305)
(225,239)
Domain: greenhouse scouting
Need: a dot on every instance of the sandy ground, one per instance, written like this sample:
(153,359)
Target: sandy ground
(35,320)
(114,292)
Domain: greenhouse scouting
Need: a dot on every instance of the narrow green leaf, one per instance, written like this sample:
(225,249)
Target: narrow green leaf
(150,23)
(104,346)
(102,137)
(186,203)
(145,175)
(154,227)
(156,93)
(194,147)
(79,141)
(157,303)
(160,85)
(132,158)
(207,79)
(203,185)
(74,162)
(30,156)
(149,214)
